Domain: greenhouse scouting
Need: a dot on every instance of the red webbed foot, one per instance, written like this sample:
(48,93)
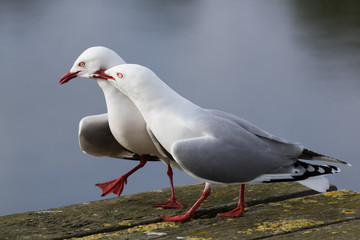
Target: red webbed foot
(237,212)
(179,218)
(169,204)
(115,186)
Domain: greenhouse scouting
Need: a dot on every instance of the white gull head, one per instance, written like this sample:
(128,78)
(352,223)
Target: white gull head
(92,63)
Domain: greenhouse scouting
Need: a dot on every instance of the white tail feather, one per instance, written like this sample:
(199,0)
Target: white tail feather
(318,183)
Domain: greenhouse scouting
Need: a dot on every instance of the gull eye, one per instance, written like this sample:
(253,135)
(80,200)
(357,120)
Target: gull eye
(120,75)
(81,64)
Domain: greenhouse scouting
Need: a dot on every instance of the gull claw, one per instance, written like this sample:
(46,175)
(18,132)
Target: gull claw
(179,218)
(115,186)
(237,212)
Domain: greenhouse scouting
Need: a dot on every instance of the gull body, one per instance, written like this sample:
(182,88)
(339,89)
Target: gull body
(214,146)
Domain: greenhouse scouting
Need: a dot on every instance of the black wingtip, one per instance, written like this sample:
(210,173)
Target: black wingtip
(311,155)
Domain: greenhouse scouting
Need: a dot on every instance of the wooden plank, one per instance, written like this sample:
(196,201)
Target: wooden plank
(134,214)
(334,215)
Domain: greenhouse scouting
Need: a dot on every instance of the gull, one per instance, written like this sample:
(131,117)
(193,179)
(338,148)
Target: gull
(215,146)
(120,133)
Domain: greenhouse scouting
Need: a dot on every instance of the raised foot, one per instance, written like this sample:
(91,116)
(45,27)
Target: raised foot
(179,218)
(115,186)
(237,212)
(169,204)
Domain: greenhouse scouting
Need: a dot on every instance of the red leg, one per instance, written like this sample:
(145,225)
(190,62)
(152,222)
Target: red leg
(189,214)
(116,186)
(172,203)
(237,212)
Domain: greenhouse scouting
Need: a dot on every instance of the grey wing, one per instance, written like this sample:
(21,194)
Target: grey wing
(241,157)
(211,159)
(95,138)
(233,150)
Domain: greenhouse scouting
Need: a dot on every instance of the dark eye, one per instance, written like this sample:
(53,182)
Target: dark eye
(81,64)
(120,75)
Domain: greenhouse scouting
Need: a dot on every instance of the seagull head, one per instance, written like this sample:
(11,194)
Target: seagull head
(92,63)
(131,77)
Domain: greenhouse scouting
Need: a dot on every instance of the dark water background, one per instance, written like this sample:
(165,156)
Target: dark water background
(290,67)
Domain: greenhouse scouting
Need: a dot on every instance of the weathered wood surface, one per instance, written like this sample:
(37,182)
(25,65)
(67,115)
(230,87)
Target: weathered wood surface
(274,211)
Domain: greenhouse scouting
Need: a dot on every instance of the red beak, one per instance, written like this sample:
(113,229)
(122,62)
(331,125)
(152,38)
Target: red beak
(67,77)
(101,74)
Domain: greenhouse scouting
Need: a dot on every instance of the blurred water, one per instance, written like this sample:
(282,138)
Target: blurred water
(290,67)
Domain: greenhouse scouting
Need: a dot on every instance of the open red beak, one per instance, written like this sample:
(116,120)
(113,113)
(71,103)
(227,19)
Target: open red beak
(101,74)
(68,76)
